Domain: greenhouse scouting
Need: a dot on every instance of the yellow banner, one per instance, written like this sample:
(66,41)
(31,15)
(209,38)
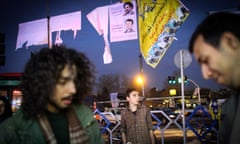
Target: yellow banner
(158,22)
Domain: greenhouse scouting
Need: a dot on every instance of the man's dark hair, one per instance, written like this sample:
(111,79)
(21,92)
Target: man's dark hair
(129,90)
(212,28)
(128,3)
(129,20)
(42,73)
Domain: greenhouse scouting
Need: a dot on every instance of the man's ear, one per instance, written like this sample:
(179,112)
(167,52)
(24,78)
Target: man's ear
(230,40)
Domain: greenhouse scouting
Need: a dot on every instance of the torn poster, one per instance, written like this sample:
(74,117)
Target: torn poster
(70,21)
(123,24)
(32,33)
(36,32)
(99,19)
(158,22)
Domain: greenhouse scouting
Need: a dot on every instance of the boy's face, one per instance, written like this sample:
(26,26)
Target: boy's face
(64,90)
(133,98)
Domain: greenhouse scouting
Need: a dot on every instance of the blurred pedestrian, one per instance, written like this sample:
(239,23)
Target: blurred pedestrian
(136,121)
(54,83)
(5,108)
(216,46)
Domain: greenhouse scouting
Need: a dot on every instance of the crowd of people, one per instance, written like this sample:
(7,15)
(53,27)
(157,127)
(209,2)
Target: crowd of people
(56,80)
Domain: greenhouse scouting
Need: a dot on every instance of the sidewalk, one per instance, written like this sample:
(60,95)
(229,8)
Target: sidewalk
(174,136)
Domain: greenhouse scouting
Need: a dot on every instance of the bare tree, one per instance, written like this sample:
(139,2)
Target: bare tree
(112,83)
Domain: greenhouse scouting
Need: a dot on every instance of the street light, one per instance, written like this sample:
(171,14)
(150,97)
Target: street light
(140,81)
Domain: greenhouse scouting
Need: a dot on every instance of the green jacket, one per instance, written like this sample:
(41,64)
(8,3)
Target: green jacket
(16,130)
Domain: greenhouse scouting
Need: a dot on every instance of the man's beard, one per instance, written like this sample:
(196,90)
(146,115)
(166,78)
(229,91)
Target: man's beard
(56,106)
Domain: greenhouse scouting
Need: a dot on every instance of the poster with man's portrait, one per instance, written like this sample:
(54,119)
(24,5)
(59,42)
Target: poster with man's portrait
(123,21)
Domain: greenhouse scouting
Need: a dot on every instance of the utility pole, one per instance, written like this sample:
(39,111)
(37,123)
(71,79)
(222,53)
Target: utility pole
(141,74)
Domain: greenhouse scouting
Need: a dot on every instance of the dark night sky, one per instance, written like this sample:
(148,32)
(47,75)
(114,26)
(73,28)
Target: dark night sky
(125,54)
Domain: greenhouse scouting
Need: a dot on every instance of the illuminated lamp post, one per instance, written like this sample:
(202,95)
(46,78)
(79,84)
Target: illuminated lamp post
(140,77)
(140,81)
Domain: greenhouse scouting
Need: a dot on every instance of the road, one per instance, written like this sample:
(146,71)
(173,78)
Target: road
(173,135)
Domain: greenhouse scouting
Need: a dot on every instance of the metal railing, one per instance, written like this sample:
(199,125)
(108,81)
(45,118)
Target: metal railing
(199,121)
